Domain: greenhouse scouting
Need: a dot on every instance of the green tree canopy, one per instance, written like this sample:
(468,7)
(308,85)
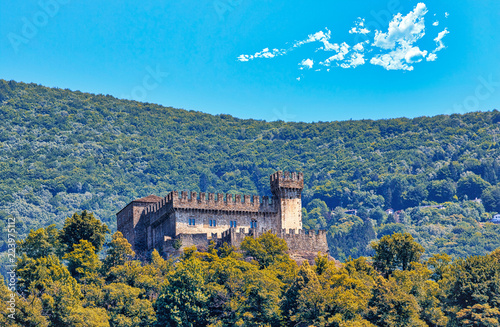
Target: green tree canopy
(83,227)
(266,249)
(396,251)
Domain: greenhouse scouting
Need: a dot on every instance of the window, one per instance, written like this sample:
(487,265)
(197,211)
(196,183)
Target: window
(192,222)
(232,224)
(253,224)
(212,223)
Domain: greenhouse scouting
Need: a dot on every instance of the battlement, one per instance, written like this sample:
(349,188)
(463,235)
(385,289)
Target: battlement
(286,180)
(297,240)
(210,201)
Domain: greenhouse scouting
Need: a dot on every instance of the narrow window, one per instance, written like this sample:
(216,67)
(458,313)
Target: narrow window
(192,222)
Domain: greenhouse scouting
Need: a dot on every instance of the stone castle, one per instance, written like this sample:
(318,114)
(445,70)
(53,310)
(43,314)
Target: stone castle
(196,219)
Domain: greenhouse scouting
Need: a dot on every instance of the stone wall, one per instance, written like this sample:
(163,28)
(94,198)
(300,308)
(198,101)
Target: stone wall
(128,221)
(303,240)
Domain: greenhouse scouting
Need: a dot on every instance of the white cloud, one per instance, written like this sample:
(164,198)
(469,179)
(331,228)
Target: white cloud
(439,45)
(407,29)
(359,28)
(414,55)
(360,47)
(318,37)
(307,63)
(357,59)
(265,53)
(431,57)
(399,59)
(391,61)
(341,52)
(446,14)
(439,40)
(397,48)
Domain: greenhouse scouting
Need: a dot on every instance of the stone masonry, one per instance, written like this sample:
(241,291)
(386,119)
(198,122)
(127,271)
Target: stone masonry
(196,219)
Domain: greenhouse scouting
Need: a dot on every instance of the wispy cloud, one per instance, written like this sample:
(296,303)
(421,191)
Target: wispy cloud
(359,28)
(439,45)
(397,48)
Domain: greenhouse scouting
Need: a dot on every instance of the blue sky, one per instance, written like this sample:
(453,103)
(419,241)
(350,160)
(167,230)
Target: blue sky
(325,60)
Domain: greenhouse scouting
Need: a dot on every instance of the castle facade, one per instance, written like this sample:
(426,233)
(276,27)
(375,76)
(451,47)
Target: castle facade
(196,219)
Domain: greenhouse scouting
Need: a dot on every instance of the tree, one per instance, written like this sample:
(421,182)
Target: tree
(266,249)
(26,312)
(83,227)
(441,191)
(40,243)
(119,251)
(126,308)
(491,198)
(391,306)
(396,251)
(47,279)
(471,185)
(479,316)
(184,300)
(474,280)
(83,262)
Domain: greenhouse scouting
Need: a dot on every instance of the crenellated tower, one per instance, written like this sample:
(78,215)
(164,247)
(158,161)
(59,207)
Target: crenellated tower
(287,190)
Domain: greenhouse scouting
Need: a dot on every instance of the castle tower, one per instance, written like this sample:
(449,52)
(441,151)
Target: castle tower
(287,189)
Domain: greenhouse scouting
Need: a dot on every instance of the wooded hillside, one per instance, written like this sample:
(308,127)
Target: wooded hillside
(64,151)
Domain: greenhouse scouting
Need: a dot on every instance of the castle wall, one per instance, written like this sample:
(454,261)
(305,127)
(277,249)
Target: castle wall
(306,240)
(128,220)
(301,241)
(223,221)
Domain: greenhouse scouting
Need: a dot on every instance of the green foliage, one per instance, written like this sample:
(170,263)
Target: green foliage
(177,244)
(391,306)
(71,151)
(83,262)
(491,198)
(474,280)
(266,249)
(479,315)
(220,288)
(471,185)
(118,252)
(184,301)
(396,251)
(83,227)
(125,308)
(40,243)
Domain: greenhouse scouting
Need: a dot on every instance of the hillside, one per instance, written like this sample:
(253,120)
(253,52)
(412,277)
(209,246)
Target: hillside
(64,151)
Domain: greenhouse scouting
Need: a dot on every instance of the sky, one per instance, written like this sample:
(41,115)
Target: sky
(271,60)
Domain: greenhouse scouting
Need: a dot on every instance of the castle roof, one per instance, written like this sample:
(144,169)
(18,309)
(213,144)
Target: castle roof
(149,199)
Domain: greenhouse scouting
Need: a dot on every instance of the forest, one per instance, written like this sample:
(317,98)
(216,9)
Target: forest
(436,178)
(64,279)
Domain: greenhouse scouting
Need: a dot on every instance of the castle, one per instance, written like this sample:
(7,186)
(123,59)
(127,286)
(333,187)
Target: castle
(196,219)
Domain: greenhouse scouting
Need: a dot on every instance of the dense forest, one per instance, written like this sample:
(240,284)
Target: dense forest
(436,178)
(62,281)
